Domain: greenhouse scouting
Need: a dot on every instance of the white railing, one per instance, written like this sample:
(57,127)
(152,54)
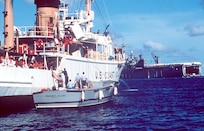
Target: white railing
(33,31)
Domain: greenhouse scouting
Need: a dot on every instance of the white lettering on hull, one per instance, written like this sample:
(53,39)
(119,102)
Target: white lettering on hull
(104,75)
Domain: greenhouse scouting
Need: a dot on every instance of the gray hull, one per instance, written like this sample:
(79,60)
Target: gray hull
(73,97)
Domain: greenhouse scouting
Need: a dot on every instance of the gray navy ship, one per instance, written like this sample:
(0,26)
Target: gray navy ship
(135,68)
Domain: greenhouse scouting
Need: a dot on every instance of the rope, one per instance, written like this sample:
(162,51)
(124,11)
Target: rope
(100,14)
(107,13)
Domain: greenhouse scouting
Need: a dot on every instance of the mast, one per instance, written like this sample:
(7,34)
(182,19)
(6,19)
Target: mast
(89,15)
(8,25)
(87,7)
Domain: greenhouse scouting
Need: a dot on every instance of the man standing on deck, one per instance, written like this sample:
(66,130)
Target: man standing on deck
(65,76)
(77,80)
(83,80)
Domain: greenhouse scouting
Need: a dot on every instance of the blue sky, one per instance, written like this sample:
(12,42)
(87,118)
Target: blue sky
(172,29)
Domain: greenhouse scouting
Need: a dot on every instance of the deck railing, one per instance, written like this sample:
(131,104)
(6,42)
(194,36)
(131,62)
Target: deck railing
(33,31)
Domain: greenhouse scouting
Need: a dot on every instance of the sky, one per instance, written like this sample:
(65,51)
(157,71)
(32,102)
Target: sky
(171,29)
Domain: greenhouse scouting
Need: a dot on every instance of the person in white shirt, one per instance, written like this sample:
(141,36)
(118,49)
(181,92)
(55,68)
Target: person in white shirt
(84,80)
(77,81)
(70,84)
(60,81)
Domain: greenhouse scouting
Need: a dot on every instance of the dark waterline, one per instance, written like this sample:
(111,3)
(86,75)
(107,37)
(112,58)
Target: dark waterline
(157,106)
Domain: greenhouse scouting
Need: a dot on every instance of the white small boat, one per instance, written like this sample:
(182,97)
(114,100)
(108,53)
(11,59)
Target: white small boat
(73,97)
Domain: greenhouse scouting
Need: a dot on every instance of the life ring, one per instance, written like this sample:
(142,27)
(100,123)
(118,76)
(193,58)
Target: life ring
(39,43)
(43,89)
(68,39)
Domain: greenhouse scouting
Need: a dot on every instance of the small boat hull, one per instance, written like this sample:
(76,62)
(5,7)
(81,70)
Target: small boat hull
(73,97)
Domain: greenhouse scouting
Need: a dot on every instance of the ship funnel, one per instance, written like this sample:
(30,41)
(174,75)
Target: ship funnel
(47,15)
(8,25)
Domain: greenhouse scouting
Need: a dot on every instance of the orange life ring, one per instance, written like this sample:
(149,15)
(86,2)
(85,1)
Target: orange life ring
(39,43)
(43,89)
(68,39)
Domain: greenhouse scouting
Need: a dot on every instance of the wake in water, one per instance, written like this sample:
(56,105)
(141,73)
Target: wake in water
(128,89)
(131,90)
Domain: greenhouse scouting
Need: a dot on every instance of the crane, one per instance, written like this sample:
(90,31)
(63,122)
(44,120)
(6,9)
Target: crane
(156,58)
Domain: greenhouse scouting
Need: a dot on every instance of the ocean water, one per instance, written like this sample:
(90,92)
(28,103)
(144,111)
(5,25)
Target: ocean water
(140,105)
